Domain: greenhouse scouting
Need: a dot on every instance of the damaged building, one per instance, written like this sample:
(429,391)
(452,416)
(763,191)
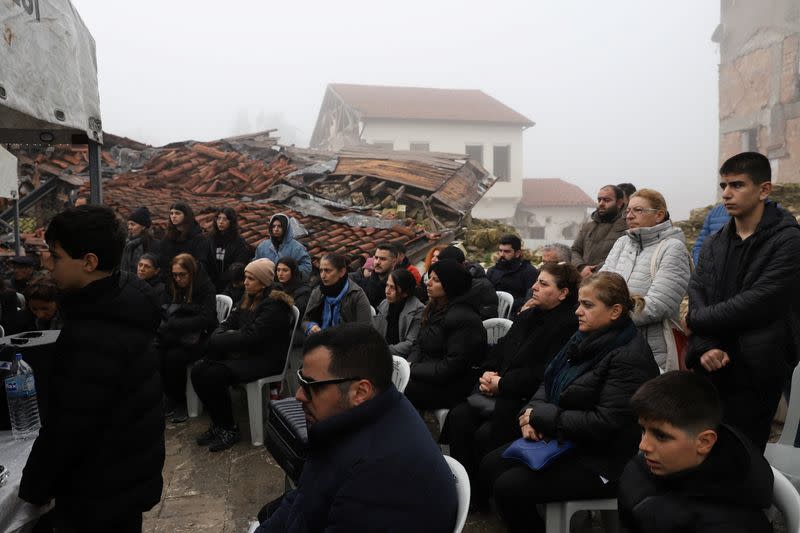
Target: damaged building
(420,119)
(759,83)
(346,201)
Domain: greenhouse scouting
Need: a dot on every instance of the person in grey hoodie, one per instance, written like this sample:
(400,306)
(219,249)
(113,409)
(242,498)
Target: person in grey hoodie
(652,245)
(281,243)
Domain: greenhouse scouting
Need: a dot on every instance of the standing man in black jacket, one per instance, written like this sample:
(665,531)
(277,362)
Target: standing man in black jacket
(742,299)
(101,451)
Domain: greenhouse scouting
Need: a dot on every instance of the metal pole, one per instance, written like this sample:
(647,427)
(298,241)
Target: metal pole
(96,188)
(16,222)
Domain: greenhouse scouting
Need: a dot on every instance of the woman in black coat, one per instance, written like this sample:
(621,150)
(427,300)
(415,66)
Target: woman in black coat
(515,367)
(584,399)
(185,236)
(288,275)
(188,320)
(251,344)
(451,344)
(229,247)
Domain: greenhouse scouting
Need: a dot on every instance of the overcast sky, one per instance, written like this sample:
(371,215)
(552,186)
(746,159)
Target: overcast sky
(621,90)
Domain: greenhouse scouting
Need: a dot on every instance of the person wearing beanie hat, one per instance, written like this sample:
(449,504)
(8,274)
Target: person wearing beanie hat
(261,269)
(250,344)
(452,341)
(481,291)
(140,239)
(455,280)
(281,243)
(141,217)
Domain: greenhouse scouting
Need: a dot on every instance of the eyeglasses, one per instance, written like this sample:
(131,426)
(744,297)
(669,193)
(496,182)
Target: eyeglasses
(180,275)
(308,384)
(638,211)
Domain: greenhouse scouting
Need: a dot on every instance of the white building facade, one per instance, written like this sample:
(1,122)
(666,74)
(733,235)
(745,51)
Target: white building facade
(551,210)
(437,120)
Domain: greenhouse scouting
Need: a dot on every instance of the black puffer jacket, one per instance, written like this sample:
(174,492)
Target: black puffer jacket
(102,452)
(451,344)
(758,327)
(195,244)
(259,338)
(594,410)
(727,493)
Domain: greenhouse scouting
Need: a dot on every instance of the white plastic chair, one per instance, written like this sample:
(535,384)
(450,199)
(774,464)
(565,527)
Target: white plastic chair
(401,373)
(462,489)
(253,526)
(194,407)
(255,389)
(504,304)
(559,514)
(224,306)
(20,301)
(782,455)
(496,328)
(2,332)
(787,500)
(373,311)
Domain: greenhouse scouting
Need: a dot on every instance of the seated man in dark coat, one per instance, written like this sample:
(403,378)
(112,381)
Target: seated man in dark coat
(512,273)
(372,464)
(693,474)
(101,453)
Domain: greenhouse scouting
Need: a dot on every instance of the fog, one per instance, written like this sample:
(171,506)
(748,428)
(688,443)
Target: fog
(619,90)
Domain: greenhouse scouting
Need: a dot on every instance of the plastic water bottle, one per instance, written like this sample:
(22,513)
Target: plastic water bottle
(23,407)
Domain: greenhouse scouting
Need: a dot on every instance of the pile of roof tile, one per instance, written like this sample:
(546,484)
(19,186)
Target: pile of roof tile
(347,202)
(210,169)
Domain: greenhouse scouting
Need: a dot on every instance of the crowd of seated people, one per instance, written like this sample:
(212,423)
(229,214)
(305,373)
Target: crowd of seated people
(584,338)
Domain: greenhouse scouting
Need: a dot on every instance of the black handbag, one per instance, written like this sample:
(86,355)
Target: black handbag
(483,404)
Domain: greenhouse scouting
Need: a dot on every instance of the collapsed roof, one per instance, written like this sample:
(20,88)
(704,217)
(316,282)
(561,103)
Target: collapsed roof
(346,201)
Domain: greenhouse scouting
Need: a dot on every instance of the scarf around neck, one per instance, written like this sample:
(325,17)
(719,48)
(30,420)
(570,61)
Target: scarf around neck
(332,307)
(581,353)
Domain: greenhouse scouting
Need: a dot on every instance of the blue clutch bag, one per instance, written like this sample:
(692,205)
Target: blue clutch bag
(536,454)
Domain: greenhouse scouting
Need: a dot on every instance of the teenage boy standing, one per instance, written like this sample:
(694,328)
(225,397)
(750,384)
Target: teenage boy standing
(741,297)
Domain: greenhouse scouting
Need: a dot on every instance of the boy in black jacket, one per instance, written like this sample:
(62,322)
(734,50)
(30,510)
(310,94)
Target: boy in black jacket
(693,474)
(743,298)
(100,452)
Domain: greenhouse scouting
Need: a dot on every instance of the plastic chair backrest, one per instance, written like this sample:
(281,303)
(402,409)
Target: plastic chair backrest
(504,304)
(401,373)
(496,328)
(793,413)
(373,311)
(295,321)
(20,301)
(463,491)
(787,499)
(224,306)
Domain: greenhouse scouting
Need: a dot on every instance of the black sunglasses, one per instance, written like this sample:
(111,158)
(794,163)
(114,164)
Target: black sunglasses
(309,384)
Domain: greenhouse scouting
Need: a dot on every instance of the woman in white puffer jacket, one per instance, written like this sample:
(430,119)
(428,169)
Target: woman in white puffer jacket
(631,257)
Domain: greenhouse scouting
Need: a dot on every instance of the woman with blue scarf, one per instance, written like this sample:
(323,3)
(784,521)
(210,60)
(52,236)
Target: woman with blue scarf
(583,400)
(336,300)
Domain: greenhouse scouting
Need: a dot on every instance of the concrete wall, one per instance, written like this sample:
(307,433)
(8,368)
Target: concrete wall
(759,82)
(501,200)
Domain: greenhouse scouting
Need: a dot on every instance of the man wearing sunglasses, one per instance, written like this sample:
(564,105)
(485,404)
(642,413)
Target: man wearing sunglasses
(371,465)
